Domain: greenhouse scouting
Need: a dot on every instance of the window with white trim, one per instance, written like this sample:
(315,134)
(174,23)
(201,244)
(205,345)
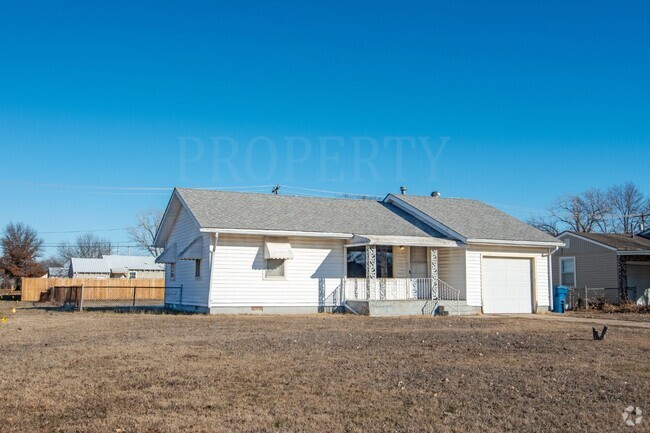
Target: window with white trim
(172,271)
(568,271)
(133,275)
(274,268)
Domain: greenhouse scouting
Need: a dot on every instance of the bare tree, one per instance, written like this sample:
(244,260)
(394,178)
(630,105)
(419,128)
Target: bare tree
(586,212)
(627,203)
(87,246)
(144,233)
(21,246)
(545,224)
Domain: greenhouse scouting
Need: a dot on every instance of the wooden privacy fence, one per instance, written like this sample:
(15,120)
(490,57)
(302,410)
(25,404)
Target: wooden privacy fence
(97,289)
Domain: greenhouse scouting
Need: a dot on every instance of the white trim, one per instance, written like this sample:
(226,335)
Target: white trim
(575,270)
(567,233)
(176,194)
(277,233)
(424,217)
(514,243)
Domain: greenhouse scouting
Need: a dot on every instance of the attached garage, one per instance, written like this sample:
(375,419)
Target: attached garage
(507,285)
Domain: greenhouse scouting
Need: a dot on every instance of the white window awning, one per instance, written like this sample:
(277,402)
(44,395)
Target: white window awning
(168,256)
(194,250)
(277,249)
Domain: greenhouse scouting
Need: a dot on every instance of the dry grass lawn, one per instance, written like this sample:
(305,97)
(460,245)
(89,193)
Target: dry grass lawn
(76,372)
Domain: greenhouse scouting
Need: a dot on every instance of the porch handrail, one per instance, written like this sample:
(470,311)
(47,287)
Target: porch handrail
(399,289)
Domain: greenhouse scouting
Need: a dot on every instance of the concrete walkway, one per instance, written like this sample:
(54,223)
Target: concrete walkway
(612,323)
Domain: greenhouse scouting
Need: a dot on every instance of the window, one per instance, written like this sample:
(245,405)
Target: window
(568,271)
(133,275)
(197,269)
(567,242)
(274,268)
(172,271)
(357,262)
(356,259)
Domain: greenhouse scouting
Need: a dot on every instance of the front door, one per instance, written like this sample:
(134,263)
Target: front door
(419,272)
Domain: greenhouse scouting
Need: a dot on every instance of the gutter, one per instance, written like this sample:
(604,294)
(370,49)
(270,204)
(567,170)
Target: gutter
(277,233)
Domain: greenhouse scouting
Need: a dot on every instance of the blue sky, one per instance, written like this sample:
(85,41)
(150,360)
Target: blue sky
(533,99)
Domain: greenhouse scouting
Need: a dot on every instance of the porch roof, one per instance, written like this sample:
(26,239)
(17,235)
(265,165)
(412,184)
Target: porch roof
(408,241)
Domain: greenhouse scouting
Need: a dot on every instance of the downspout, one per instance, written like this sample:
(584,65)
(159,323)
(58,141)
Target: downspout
(213,246)
(550,276)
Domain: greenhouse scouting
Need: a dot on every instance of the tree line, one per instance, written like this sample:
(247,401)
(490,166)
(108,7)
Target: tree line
(621,208)
(22,248)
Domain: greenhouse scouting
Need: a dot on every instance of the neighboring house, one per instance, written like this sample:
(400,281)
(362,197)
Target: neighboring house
(253,253)
(57,272)
(110,266)
(612,263)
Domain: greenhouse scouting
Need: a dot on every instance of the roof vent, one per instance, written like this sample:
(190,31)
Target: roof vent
(435,194)
(403,189)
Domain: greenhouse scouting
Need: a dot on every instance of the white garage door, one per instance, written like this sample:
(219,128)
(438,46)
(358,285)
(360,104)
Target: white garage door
(507,285)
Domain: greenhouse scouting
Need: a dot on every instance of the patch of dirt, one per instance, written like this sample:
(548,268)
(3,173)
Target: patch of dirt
(78,372)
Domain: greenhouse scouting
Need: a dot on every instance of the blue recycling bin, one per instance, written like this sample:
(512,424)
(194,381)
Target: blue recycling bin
(559,299)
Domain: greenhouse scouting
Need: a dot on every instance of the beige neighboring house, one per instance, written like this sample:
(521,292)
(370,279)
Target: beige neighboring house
(112,266)
(609,264)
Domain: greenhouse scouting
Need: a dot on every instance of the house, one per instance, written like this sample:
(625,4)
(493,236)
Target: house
(57,272)
(609,264)
(231,252)
(113,266)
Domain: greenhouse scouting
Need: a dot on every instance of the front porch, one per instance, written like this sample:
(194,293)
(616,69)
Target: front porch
(403,297)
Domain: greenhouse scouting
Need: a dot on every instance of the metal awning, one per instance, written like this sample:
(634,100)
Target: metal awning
(278,249)
(194,250)
(412,241)
(168,256)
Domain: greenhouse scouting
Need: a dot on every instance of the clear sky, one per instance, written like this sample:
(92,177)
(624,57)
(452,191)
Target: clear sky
(509,102)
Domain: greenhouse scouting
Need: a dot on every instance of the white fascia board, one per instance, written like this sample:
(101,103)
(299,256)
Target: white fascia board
(424,217)
(515,243)
(175,194)
(633,253)
(278,233)
(600,244)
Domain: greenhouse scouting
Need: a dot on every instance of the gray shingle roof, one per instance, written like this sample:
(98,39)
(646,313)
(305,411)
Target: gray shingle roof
(248,211)
(619,241)
(473,219)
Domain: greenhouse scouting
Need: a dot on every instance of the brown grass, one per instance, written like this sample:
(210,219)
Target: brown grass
(107,372)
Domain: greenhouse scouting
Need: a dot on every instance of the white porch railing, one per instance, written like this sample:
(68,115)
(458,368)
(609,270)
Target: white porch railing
(362,289)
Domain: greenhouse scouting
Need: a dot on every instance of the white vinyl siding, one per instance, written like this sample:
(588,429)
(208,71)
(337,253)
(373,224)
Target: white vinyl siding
(195,292)
(451,268)
(400,262)
(239,272)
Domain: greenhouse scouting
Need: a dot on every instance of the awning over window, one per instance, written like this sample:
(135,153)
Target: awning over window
(194,250)
(277,249)
(168,256)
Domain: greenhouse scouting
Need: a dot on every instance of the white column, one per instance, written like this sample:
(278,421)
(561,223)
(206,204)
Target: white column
(371,270)
(433,263)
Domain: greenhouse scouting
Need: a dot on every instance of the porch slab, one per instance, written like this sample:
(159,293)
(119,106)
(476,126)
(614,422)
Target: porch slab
(411,307)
